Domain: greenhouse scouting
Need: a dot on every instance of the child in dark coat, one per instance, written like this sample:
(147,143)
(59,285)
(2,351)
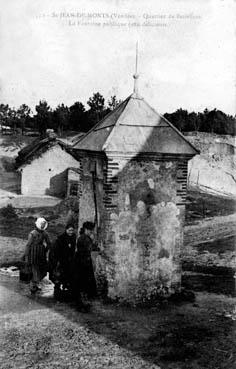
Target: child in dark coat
(83,275)
(61,260)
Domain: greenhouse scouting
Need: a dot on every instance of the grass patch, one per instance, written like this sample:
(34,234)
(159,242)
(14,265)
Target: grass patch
(21,226)
(8,212)
(202,205)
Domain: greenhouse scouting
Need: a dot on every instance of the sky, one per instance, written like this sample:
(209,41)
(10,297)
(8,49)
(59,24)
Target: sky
(64,51)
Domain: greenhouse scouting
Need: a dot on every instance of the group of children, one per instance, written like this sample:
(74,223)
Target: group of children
(68,261)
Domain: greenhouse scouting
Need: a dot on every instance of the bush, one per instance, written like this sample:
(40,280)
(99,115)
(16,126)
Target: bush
(8,164)
(69,204)
(8,212)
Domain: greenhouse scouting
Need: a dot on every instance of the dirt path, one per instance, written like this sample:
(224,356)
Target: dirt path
(39,333)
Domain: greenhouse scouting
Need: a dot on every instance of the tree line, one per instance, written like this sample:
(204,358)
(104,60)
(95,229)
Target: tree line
(212,121)
(77,118)
(62,118)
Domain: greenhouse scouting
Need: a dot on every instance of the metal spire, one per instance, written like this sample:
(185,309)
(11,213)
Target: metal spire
(135,76)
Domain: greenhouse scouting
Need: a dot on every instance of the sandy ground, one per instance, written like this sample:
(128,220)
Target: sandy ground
(40,333)
(20,201)
(210,228)
(211,242)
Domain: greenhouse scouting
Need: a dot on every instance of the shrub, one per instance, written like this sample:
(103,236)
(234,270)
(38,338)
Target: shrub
(8,212)
(69,204)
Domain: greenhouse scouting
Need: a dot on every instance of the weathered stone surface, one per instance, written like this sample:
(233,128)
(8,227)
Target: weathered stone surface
(141,237)
(139,223)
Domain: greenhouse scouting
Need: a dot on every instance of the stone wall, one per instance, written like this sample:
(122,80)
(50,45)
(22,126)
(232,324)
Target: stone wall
(142,228)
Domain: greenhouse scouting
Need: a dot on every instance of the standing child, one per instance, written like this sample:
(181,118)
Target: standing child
(61,259)
(36,253)
(83,278)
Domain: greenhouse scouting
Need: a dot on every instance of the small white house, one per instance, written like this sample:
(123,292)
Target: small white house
(44,166)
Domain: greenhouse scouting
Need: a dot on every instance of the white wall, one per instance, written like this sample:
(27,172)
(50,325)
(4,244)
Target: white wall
(36,176)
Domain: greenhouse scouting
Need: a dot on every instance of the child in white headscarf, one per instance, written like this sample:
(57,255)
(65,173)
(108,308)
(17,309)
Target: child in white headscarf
(36,253)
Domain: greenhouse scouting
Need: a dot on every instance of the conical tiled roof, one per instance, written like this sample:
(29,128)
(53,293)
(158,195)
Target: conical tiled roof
(135,127)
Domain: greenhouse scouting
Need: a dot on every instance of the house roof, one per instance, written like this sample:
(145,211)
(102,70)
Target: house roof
(135,127)
(72,139)
(36,148)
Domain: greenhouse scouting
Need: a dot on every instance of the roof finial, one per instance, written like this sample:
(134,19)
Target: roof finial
(136,71)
